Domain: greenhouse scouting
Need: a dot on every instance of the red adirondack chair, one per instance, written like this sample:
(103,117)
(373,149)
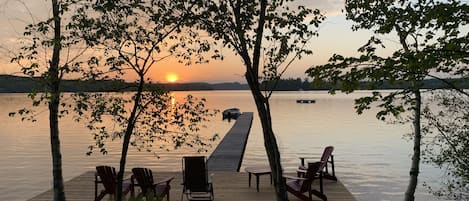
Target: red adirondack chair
(300,185)
(328,158)
(144,179)
(108,177)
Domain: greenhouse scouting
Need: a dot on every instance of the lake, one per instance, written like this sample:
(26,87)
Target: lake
(372,159)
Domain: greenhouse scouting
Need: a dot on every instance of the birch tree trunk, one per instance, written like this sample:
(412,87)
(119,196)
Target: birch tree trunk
(54,84)
(414,169)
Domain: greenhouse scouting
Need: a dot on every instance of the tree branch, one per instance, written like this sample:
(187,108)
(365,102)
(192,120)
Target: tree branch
(450,84)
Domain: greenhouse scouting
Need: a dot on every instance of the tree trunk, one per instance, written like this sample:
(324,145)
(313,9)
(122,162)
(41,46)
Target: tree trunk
(414,169)
(263,109)
(59,194)
(273,154)
(127,135)
(53,78)
(270,142)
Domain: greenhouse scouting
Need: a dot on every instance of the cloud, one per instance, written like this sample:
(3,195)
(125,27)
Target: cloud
(16,14)
(328,7)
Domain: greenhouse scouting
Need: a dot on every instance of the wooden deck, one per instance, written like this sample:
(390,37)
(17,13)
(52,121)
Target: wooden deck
(228,186)
(224,164)
(228,155)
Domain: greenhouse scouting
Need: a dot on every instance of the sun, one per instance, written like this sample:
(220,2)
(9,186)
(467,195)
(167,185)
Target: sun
(171,77)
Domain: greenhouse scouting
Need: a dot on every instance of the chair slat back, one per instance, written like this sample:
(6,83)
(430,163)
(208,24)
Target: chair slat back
(195,173)
(144,177)
(108,176)
(326,155)
(311,173)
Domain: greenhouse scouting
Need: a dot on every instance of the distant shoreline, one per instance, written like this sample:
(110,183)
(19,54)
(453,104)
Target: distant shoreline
(17,84)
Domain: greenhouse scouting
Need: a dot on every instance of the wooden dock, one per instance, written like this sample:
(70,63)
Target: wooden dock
(224,164)
(228,186)
(228,155)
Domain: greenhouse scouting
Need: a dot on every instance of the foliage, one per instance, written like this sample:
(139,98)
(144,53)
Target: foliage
(425,50)
(285,32)
(150,196)
(44,52)
(133,37)
(286,85)
(404,65)
(430,45)
(273,29)
(447,132)
(35,56)
(160,120)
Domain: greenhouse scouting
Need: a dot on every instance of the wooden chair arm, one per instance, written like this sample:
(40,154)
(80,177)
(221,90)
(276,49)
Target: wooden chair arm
(301,170)
(210,177)
(97,179)
(293,177)
(128,178)
(302,159)
(307,157)
(166,180)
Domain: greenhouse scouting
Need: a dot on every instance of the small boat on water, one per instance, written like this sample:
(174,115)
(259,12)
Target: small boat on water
(232,113)
(305,101)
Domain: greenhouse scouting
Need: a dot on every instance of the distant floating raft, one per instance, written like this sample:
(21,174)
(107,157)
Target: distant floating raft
(305,101)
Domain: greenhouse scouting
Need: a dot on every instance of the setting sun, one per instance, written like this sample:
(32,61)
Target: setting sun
(171,77)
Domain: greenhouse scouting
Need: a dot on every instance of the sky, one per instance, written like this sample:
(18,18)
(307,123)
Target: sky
(335,36)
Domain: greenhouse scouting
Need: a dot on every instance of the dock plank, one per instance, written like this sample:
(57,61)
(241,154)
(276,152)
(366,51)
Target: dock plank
(230,151)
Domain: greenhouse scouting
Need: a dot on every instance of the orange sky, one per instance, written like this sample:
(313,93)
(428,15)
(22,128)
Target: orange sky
(335,36)
(228,70)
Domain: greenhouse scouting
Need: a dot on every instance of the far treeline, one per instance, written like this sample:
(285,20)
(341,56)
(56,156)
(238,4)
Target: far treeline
(298,84)
(17,84)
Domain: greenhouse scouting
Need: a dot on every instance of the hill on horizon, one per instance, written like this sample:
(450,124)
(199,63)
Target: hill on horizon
(19,84)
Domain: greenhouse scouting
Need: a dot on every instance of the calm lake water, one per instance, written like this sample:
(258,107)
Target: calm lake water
(372,158)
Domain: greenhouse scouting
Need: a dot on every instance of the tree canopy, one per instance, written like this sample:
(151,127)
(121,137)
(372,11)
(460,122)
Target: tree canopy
(133,37)
(432,45)
(268,36)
